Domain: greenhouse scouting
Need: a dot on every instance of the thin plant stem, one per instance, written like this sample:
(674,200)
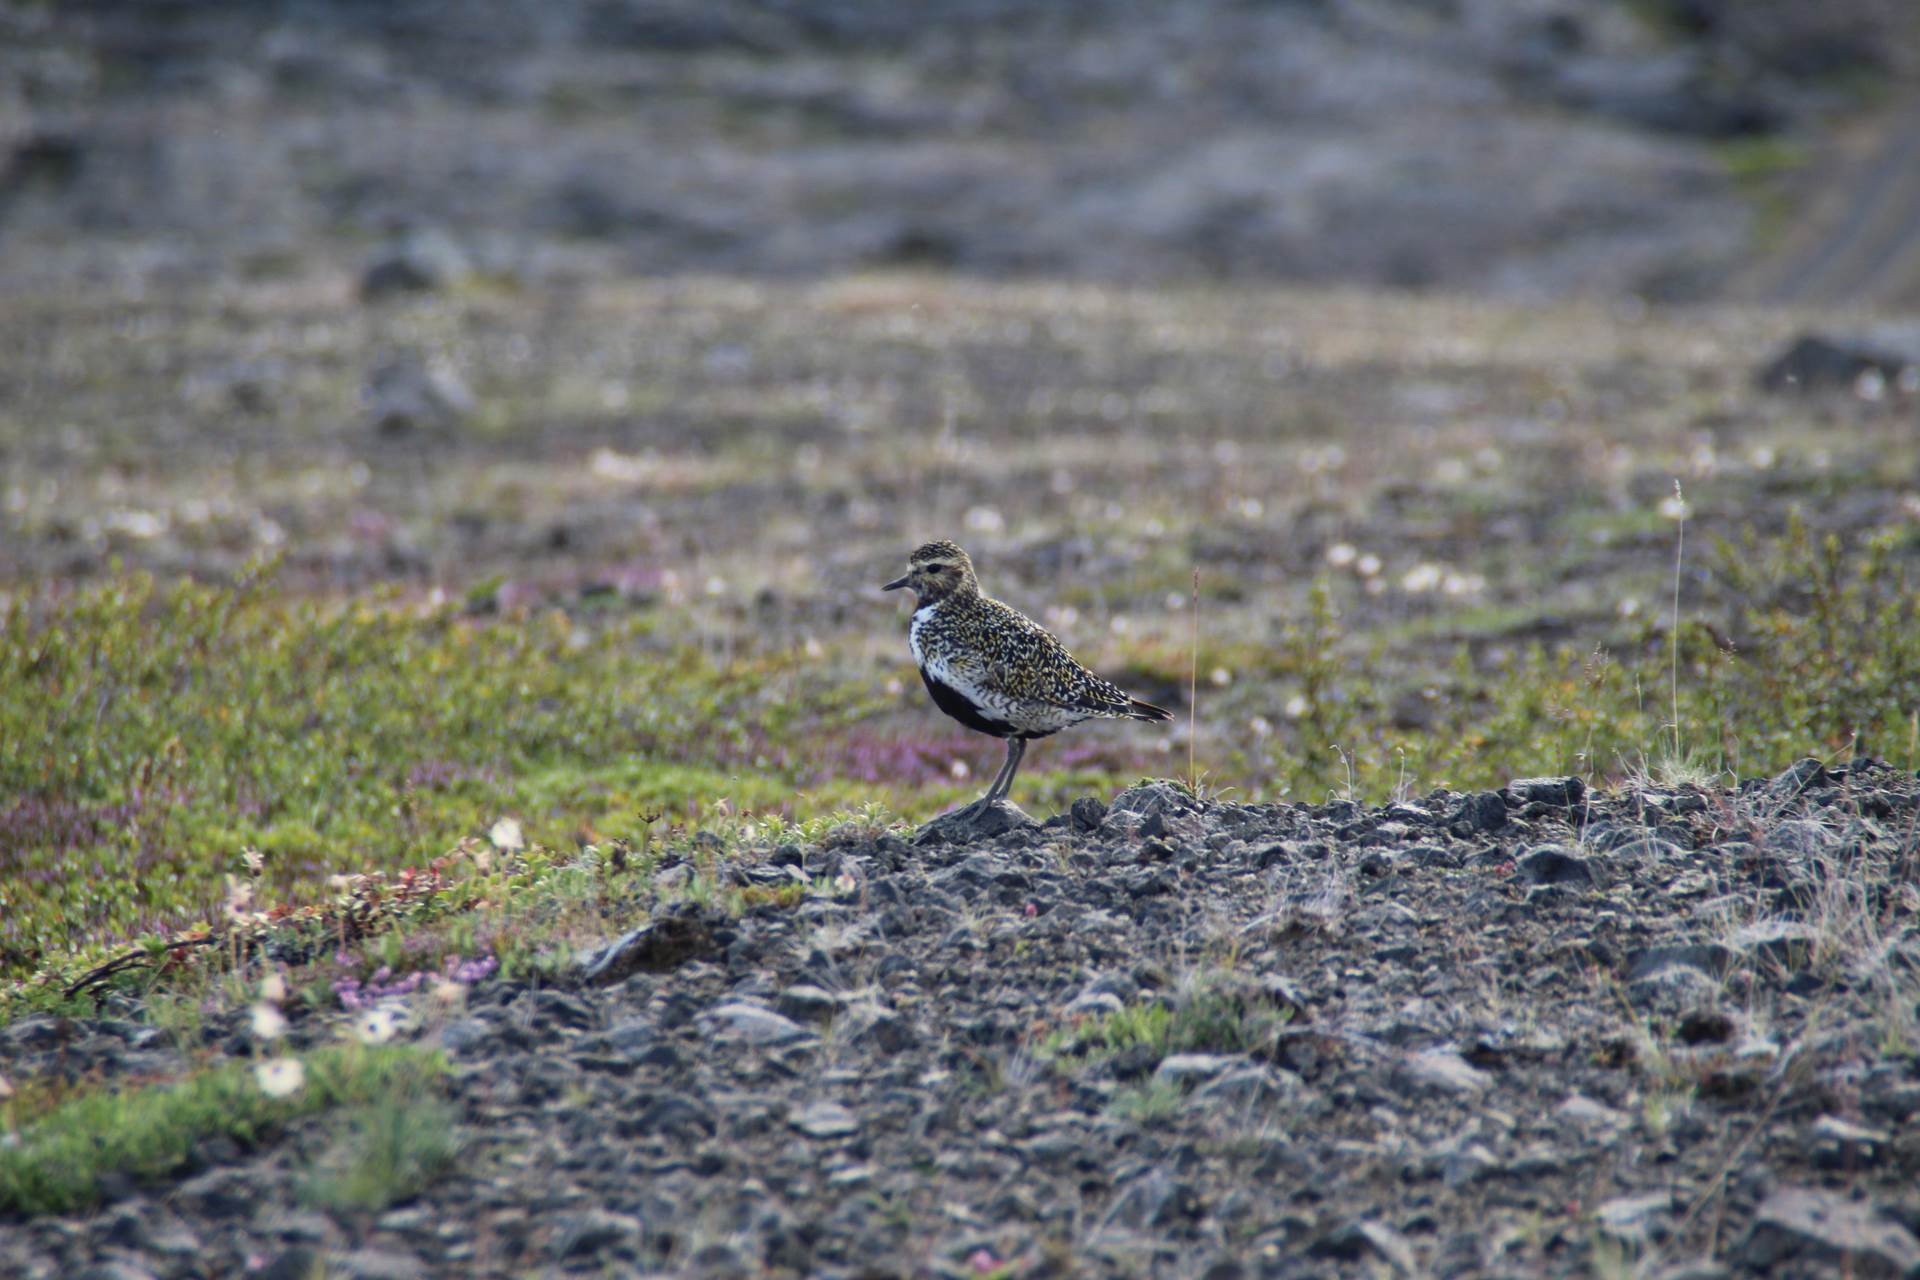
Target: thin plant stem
(1193,683)
(1673,632)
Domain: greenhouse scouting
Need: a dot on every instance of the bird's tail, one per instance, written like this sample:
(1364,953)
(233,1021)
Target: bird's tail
(1138,710)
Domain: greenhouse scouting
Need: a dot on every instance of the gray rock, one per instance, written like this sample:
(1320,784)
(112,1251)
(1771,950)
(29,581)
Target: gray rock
(1156,798)
(1093,1004)
(1637,1219)
(1189,1069)
(406,395)
(1820,362)
(1088,814)
(1673,989)
(1705,957)
(632,1036)
(1154,1199)
(1801,774)
(1553,865)
(825,1120)
(376,1264)
(1440,1071)
(1588,1115)
(1841,1144)
(1466,1163)
(1561,792)
(807,1003)
(965,825)
(464,1035)
(1472,815)
(1250,1086)
(1786,943)
(658,947)
(421,260)
(1799,838)
(113,1269)
(1811,1224)
(218,1193)
(875,1026)
(753,1024)
(580,1235)
(301,1262)
(1365,1238)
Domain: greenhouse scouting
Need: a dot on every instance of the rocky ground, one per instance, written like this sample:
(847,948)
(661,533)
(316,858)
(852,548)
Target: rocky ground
(1535,1031)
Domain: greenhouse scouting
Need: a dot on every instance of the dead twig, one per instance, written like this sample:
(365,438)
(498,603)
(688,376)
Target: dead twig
(142,957)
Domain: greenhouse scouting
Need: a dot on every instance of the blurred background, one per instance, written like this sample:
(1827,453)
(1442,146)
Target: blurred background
(523,402)
(1670,149)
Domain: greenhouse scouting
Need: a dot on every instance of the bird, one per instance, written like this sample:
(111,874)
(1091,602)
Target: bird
(994,669)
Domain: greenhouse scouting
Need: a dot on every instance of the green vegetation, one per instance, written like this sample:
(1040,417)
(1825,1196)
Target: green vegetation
(151,735)
(155,734)
(388,1152)
(149,1131)
(1212,1017)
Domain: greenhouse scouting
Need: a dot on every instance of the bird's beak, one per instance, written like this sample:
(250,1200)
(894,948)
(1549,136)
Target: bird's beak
(896,584)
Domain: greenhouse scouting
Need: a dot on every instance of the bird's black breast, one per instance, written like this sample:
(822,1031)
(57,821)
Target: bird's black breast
(963,709)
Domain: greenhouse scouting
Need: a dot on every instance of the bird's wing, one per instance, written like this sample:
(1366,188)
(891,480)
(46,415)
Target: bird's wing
(1033,666)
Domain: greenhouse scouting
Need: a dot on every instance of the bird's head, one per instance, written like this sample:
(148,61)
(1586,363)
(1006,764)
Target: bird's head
(935,571)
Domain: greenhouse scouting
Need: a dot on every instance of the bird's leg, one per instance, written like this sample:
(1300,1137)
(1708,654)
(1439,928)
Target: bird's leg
(993,792)
(1016,750)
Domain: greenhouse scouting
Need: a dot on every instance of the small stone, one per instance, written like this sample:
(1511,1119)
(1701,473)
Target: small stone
(218,1193)
(1152,1200)
(1472,815)
(113,1269)
(659,947)
(1811,1224)
(1584,1113)
(1559,792)
(376,1264)
(1441,1071)
(1363,1237)
(1705,957)
(1636,1219)
(1158,796)
(1786,943)
(807,1003)
(407,394)
(1093,1004)
(301,1262)
(1088,813)
(1467,1163)
(1818,362)
(875,1026)
(463,1035)
(1800,776)
(1249,1086)
(1552,865)
(420,261)
(964,826)
(754,1024)
(825,1120)
(1841,1144)
(632,1037)
(1189,1069)
(579,1235)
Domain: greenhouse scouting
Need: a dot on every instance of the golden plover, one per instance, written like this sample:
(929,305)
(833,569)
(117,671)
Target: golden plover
(996,670)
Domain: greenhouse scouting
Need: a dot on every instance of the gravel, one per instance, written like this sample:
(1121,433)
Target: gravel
(1519,1050)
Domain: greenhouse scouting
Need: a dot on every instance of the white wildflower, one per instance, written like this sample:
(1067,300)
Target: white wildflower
(268,1022)
(280,1077)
